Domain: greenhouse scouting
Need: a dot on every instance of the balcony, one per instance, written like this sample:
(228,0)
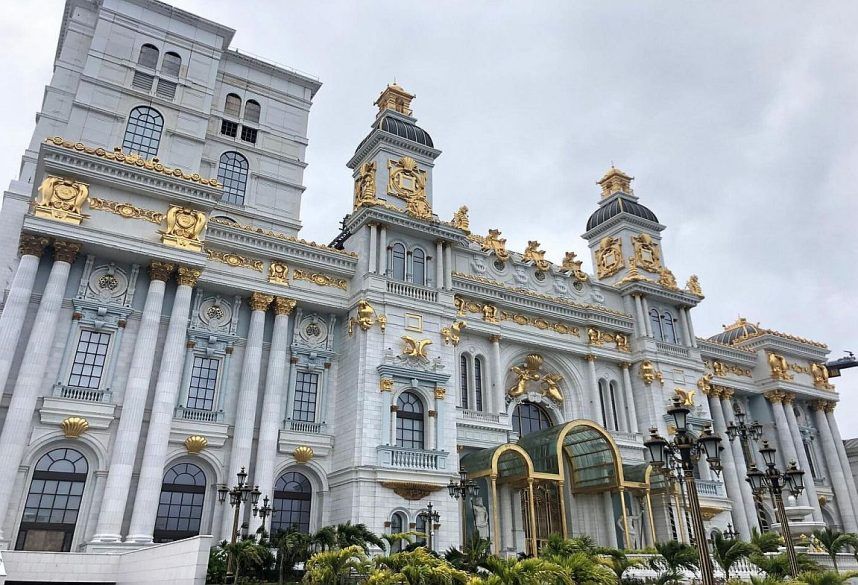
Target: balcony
(421,293)
(480,416)
(197,415)
(84,394)
(299,426)
(411,459)
(709,488)
(671,349)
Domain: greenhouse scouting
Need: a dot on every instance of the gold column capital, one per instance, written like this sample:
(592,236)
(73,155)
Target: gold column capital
(188,276)
(727,392)
(160,270)
(625,365)
(31,245)
(284,306)
(775,396)
(260,301)
(789,397)
(495,338)
(65,251)
(590,357)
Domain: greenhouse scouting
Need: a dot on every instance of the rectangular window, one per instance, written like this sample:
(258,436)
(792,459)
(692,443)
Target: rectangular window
(306,391)
(249,134)
(201,393)
(89,358)
(228,128)
(463,380)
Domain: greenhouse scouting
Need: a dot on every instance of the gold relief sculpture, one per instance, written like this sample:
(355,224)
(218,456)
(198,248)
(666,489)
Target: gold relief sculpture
(74,426)
(693,286)
(667,279)
(188,276)
(820,376)
(366,318)
(551,388)
(408,182)
(234,260)
(572,266)
(415,348)
(30,245)
(159,270)
(320,279)
(184,226)
(649,374)
(303,454)
(775,396)
(126,210)
(460,220)
(278,273)
(459,303)
(418,207)
(594,336)
(196,443)
(686,396)
(647,254)
(365,185)
(283,305)
(260,301)
(615,181)
(779,367)
(453,333)
(530,371)
(494,244)
(411,490)
(272,234)
(533,254)
(490,314)
(440,393)
(719,369)
(61,199)
(622,342)
(704,384)
(385,384)
(609,257)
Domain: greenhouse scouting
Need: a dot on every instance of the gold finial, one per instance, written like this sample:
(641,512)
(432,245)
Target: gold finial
(394,97)
(615,181)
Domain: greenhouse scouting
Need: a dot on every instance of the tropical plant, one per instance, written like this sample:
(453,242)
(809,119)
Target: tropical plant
(247,554)
(398,538)
(777,566)
(216,572)
(672,559)
(584,569)
(349,534)
(764,580)
(293,547)
(558,545)
(530,571)
(729,551)
(417,567)
(824,578)
(472,556)
(619,563)
(325,538)
(834,541)
(331,566)
(765,542)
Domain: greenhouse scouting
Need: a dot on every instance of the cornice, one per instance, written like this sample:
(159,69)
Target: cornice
(623,218)
(434,229)
(728,353)
(773,341)
(378,135)
(654,290)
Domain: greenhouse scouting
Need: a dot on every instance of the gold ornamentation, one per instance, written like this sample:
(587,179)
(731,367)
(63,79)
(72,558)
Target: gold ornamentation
(415,348)
(775,396)
(667,279)
(572,266)
(440,393)
(260,301)
(31,245)
(126,210)
(823,405)
(408,182)
(597,338)
(74,426)
(693,286)
(303,454)
(750,331)
(395,98)
(320,279)
(622,342)
(284,306)
(188,276)
(411,490)
(196,443)
(61,199)
(780,367)
(365,185)
(705,386)
(133,160)
(609,257)
(649,374)
(494,244)
(460,220)
(686,396)
(820,376)
(615,181)
(385,384)
(183,228)
(366,318)
(453,333)
(160,270)
(530,371)
(464,307)
(533,254)
(272,234)
(235,260)
(633,275)
(789,397)
(490,313)
(709,513)
(65,251)
(721,369)
(278,273)
(647,255)
(551,388)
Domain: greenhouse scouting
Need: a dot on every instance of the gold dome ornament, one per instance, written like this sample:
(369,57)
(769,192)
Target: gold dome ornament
(196,443)
(303,454)
(74,426)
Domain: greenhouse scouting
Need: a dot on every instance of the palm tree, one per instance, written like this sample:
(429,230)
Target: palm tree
(245,553)
(349,534)
(729,551)
(673,557)
(293,547)
(472,556)
(824,578)
(765,542)
(619,562)
(777,566)
(330,567)
(417,567)
(524,572)
(398,538)
(325,538)
(584,569)
(834,542)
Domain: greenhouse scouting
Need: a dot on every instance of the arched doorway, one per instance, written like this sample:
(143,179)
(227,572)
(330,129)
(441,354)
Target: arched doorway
(293,496)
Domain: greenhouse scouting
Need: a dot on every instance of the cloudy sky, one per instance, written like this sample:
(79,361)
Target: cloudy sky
(739,121)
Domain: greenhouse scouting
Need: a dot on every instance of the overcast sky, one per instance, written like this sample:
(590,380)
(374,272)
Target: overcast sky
(739,121)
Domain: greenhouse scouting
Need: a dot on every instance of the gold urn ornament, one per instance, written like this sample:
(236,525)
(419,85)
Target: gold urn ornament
(74,426)
(196,443)
(303,454)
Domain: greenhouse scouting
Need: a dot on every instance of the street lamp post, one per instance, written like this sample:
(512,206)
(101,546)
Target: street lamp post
(687,450)
(431,518)
(747,433)
(774,480)
(465,489)
(263,512)
(730,534)
(238,495)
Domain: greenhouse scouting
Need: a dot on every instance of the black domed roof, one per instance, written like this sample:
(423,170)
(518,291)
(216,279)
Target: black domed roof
(617,206)
(739,331)
(401,128)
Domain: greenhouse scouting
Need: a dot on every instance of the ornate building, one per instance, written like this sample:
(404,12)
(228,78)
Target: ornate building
(164,326)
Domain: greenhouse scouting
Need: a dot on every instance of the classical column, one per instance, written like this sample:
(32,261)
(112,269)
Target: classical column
(439,264)
(803,463)
(15,308)
(841,452)
(837,475)
(448,267)
(731,479)
(431,430)
(248,393)
(440,436)
(750,506)
(683,323)
(647,322)
(595,407)
(163,408)
(785,442)
(690,327)
(386,387)
(133,404)
(272,402)
(29,383)
(373,248)
(382,250)
(641,318)
(629,396)
(498,392)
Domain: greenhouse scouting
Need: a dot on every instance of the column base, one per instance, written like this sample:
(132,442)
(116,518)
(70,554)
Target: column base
(138,539)
(111,547)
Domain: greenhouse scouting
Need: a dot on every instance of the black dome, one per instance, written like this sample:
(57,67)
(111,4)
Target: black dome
(739,331)
(403,129)
(616,207)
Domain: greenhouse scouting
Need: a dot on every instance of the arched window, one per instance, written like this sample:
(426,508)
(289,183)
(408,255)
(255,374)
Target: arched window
(251,111)
(232,173)
(463,380)
(232,105)
(53,502)
(397,526)
(418,266)
(528,418)
(612,392)
(143,132)
(398,254)
(181,506)
(148,56)
(603,402)
(478,383)
(172,64)
(655,320)
(293,495)
(668,327)
(409,422)
(420,526)
(808,452)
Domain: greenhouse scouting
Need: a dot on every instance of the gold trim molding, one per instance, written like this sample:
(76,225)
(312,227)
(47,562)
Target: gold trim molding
(126,210)
(320,279)
(235,260)
(412,490)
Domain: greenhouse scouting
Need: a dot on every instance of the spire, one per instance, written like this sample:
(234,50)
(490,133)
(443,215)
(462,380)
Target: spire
(615,181)
(395,98)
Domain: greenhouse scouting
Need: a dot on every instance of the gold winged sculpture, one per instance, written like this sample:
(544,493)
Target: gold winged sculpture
(415,348)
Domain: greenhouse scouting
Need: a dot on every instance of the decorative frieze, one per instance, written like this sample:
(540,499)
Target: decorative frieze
(320,279)
(183,229)
(61,199)
(235,260)
(126,210)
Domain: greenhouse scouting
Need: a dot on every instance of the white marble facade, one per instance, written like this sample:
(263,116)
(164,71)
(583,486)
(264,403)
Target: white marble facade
(146,355)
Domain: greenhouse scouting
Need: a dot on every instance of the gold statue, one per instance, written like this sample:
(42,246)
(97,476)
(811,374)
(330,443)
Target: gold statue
(573,266)
(533,254)
(693,286)
(453,333)
(61,199)
(649,374)
(494,244)
(527,372)
(490,313)
(820,376)
(366,317)
(365,185)
(779,367)
(183,228)
(417,206)
(622,342)
(551,388)
(667,279)
(687,396)
(460,220)
(415,348)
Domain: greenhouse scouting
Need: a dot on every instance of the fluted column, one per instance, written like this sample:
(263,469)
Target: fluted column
(498,392)
(844,460)
(18,301)
(641,318)
(683,324)
(448,267)
(731,478)
(439,264)
(804,464)
(133,404)
(647,323)
(750,505)
(785,442)
(629,396)
(690,324)
(595,406)
(835,468)
(245,407)
(373,248)
(272,402)
(382,250)
(163,408)
(29,384)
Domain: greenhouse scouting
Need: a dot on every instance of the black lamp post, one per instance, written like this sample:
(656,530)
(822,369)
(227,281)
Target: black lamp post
(238,495)
(263,512)
(747,433)
(430,518)
(730,534)
(465,488)
(688,450)
(773,480)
